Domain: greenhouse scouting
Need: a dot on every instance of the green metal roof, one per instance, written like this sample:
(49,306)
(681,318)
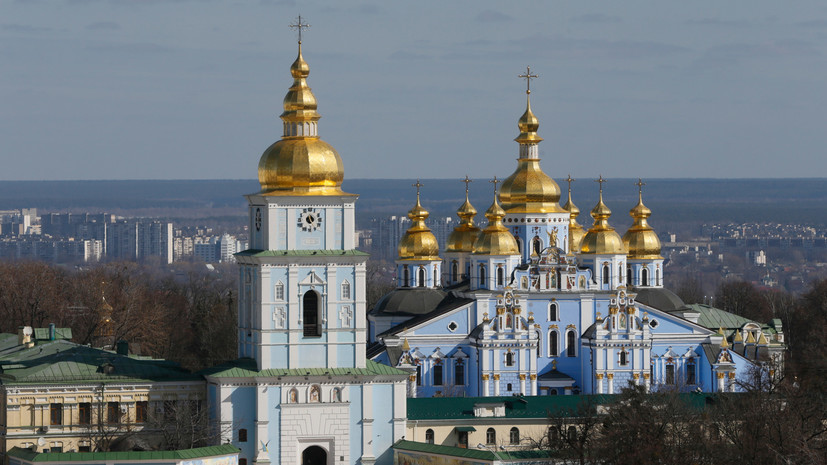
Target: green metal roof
(478,454)
(42,334)
(301,253)
(714,318)
(246,368)
(466,429)
(62,361)
(62,457)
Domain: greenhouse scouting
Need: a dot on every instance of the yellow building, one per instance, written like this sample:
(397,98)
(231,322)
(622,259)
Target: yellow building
(58,396)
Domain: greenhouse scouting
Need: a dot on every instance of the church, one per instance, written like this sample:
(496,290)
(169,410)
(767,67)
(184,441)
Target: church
(531,304)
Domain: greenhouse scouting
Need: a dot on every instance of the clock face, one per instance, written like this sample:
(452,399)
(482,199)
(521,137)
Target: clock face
(309,220)
(258,219)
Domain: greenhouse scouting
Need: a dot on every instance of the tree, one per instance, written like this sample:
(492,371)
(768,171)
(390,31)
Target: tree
(573,433)
(741,298)
(184,424)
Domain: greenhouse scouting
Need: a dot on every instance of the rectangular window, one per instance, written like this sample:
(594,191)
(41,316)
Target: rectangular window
(670,374)
(113,412)
(279,291)
(345,290)
(459,374)
(85,413)
(437,375)
(242,435)
(141,408)
(690,373)
(84,448)
(56,414)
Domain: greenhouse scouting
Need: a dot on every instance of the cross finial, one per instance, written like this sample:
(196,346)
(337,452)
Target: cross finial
(528,77)
(417,185)
(467,181)
(495,181)
(601,181)
(570,180)
(640,185)
(300,25)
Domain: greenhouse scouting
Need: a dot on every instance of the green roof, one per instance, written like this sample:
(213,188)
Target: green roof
(246,367)
(479,454)
(714,318)
(62,361)
(42,334)
(301,253)
(62,457)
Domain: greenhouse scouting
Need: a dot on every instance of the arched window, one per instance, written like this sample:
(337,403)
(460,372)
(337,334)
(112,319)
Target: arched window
(553,343)
(406,278)
(623,359)
(310,314)
(620,273)
(482,275)
(572,433)
(539,343)
(657,277)
(670,374)
(279,291)
(437,375)
(553,314)
(605,274)
(537,245)
(571,348)
(628,275)
(454,271)
(490,436)
(553,434)
(500,276)
(436,276)
(644,277)
(345,290)
(421,276)
(509,359)
(690,372)
(519,245)
(429,436)
(514,436)
(459,373)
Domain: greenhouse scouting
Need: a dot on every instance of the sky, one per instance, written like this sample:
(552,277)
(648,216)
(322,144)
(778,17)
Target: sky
(192,89)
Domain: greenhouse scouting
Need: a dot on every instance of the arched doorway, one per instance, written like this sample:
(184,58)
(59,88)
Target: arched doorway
(314,455)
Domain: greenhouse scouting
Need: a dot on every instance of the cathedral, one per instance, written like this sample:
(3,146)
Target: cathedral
(536,304)
(531,304)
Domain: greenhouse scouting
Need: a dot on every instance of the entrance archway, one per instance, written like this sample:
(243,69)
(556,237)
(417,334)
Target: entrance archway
(314,455)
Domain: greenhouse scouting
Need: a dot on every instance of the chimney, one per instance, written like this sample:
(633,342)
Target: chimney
(51,331)
(24,335)
(122,348)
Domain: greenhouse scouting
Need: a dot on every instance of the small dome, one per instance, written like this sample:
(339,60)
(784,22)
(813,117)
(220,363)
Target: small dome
(640,240)
(418,243)
(300,163)
(462,238)
(576,232)
(495,239)
(602,239)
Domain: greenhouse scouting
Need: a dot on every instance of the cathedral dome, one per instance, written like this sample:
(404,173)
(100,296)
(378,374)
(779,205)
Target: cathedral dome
(529,189)
(300,163)
(462,238)
(602,239)
(418,243)
(495,239)
(640,240)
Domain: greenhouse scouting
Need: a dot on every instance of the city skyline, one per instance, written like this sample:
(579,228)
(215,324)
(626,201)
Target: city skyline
(179,89)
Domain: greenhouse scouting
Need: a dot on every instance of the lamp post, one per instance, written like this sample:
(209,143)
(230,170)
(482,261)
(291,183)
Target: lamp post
(492,450)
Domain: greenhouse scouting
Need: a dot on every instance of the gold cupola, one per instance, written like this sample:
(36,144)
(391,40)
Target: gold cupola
(529,189)
(576,232)
(300,163)
(418,243)
(640,240)
(462,238)
(495,239)
(602,239)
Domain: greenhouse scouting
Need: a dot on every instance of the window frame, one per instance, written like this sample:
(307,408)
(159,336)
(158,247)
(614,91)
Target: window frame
(56,414)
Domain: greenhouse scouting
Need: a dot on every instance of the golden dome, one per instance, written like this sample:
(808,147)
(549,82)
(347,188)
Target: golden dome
(418,243)
(495,239)
(576,232)
(602,239)
(300,163)
(462,238)
(529,189)
(641,240)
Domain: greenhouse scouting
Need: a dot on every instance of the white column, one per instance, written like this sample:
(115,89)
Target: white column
(486,386)
(262,420)
(496,385)
(533,385)
(721,387)
(599,381)
(522,384)
(611,381)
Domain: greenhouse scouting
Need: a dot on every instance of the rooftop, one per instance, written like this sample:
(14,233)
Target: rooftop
(246,367)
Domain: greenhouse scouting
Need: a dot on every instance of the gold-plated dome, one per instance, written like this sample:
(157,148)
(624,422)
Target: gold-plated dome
(300,163)
(601,238)
(529,189)
(462,238)
(495,239)
(640,240)
(418,243)
(576,232)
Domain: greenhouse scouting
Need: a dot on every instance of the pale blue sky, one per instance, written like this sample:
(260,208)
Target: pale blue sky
(168,89)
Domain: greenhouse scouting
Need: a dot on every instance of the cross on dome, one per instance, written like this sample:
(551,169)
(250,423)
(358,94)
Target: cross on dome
(601,181)
(417,185)
(495,181)
(467,181)
(640,185)
(528,77)
(570,180)
(300,25)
